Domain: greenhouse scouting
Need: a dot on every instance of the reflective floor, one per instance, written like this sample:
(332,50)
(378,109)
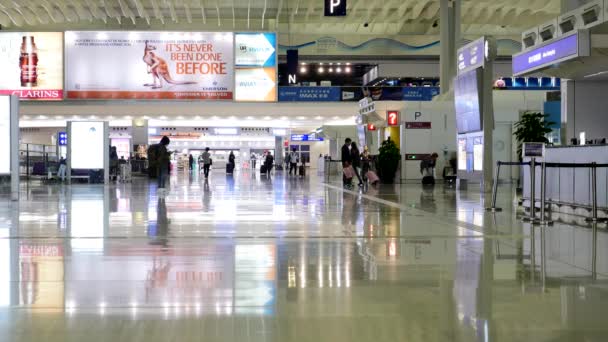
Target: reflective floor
(246,258)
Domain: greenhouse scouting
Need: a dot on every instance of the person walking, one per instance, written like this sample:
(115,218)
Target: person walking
(231,163)
(206,161)
(253,159)
(346,160)
(356,161)
(293,162)
(191,161)
(163,163)
(62,168)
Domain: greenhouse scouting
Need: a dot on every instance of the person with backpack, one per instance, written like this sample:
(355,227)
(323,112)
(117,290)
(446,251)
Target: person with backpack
(162,157)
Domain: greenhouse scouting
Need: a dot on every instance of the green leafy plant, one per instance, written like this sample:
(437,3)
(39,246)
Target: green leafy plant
(388,161)
(532,127)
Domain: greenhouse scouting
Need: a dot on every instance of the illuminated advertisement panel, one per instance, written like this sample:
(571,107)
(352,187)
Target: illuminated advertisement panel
(149,65)
(31,65)
(5,134)
(87,144)
(255,67)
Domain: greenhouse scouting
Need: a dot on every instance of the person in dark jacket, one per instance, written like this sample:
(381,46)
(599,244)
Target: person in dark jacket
(191,162)
(356,161)
(346,158)
(163,162)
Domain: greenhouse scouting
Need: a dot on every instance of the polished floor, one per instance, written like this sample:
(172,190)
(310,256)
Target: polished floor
(250,258)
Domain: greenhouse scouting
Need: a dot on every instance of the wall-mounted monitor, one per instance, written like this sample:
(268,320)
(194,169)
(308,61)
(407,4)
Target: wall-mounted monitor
(468,102)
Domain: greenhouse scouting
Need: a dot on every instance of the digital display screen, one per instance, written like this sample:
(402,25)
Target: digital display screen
(361,135)
(87,147)
(5,134)
(467,101)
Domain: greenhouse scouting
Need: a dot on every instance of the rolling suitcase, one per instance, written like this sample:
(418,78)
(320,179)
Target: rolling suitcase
(263,168)
(301,171)
(229,168)
(372,177)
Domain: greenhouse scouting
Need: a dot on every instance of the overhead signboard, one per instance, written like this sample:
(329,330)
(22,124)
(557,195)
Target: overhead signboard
(149,65)
(546,55)
(418,125)
(87,145)
(305,137)
(309,94)
(256,49)
(472,55)
(5,134)
(335,8)
(31,65)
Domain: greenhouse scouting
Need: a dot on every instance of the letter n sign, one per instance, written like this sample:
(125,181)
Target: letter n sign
(335,8)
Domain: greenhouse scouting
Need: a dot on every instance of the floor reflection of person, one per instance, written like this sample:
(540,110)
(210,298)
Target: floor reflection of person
(159,230)
(350,211)
(206,196)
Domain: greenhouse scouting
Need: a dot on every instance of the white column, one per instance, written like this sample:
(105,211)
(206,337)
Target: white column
(14,147)
(447,58)
(139,132)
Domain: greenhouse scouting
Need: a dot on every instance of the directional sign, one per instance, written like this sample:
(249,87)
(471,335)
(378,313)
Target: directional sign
(255,49)
(62,139)
(392,117)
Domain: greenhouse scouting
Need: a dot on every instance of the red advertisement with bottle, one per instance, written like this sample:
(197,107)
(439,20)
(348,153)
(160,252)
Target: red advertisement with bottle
(31,65)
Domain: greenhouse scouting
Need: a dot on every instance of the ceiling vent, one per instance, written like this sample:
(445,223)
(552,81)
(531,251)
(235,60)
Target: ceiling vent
(547,32)
(529,38)
(567,24)
(591,15)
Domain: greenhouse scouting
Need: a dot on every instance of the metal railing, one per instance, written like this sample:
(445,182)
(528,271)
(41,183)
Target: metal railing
(543,188)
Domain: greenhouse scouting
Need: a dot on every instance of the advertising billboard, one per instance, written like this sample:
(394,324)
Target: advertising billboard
(256,84)
(255,67)
(256,49)
(87,145)
(149,65)
(31,65)
(5,134)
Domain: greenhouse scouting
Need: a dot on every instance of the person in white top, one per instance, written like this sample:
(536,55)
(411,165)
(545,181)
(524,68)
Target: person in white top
(293,161)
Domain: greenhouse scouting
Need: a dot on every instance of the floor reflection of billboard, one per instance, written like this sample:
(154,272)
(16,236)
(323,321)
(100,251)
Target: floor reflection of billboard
(467,101)
(462,154)
(255,279)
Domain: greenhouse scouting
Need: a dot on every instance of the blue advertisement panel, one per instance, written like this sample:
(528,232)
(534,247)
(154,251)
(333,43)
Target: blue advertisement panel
(255,49)
(309,94)
(419,93)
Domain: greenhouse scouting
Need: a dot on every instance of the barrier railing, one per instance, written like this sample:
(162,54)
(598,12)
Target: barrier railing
(543,188)
(496,178)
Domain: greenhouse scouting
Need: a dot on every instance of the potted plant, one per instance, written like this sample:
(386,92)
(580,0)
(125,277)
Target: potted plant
(388,161)
(532,127)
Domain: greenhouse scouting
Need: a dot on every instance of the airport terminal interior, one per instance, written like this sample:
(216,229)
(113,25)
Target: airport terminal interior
(303,170)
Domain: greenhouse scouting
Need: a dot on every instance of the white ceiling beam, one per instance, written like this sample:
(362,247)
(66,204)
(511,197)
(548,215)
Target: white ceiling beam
(217,8)
(157,12)
(126,10)
(280,7)
(188,14)
(56,16)
(169,4)
(111,11)
(248,13)
(309,10)
(95,11)
(264,12)
(233,15)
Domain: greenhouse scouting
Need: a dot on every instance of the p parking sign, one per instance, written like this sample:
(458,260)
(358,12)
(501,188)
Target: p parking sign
(335,8)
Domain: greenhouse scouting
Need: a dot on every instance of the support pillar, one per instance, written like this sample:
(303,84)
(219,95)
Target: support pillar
(449,21)
(139,133)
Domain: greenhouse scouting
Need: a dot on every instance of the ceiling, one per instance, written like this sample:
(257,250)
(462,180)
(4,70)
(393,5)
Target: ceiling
(383,17)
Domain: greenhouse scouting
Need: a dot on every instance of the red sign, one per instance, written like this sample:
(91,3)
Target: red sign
(392,117)
(418,125)
(371,127)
